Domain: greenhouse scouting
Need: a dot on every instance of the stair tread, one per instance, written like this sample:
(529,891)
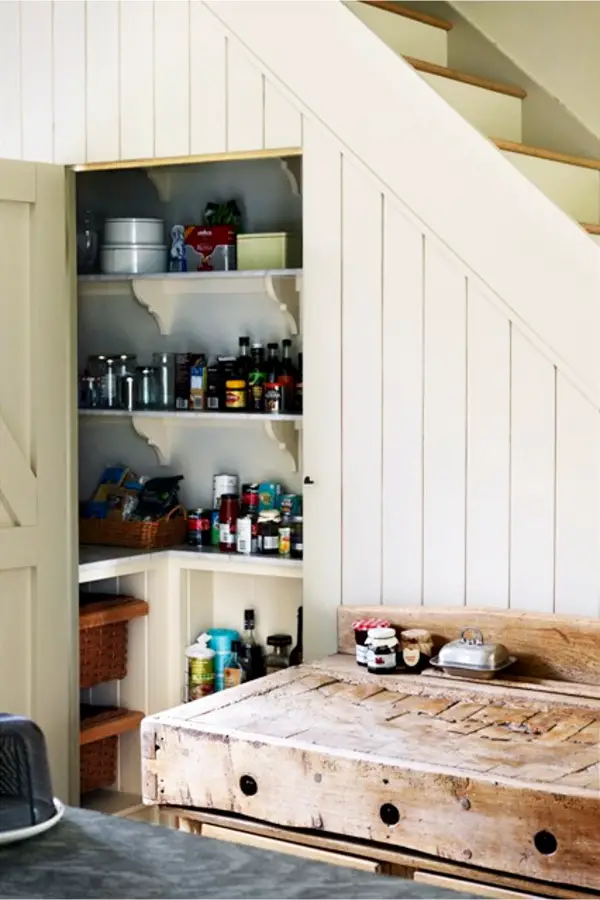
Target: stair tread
(433,69)
(399,10)
(542,153)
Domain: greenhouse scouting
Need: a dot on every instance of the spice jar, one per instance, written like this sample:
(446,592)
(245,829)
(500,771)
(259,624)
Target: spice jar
(268,532)
(235,394)
(416,649)
(278,658)
(297,541)
(228,516)
(381,650)
(361,629)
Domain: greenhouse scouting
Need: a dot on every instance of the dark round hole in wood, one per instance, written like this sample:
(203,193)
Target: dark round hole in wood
(248,785)
(545,843)
(389,814)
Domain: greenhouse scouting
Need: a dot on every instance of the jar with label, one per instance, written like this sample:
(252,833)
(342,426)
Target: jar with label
(297,539)
(268,532)
(235,394)
(416,649)
(361,630)
(246,535)
(381,651)
(228,516)
(285,540)
(200,674)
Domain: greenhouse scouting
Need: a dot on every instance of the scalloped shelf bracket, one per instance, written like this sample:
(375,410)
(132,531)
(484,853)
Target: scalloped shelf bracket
(156,296)
(285,435)
(158,435)
(292,168)
(162,179)
(285,293)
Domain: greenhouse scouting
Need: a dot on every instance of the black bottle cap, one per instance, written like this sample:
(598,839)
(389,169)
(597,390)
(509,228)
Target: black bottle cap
(244,342)
(280,640)
(249,618)
(273,346)
(286,342)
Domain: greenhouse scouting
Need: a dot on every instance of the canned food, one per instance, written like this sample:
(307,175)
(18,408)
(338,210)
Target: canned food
(215,530)
(223,484)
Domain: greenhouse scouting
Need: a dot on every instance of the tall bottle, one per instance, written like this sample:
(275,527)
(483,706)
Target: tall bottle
(256,380)
(287,378)
(272,385)
(299,386)
(297,654)
(251,656)
(244,361)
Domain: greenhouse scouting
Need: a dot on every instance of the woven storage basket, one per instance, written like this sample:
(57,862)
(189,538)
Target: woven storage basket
(102,654)
(98,764)
(114,532)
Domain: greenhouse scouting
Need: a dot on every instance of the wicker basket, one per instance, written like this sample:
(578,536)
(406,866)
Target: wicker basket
(98,764)
(102,654)
(166,532)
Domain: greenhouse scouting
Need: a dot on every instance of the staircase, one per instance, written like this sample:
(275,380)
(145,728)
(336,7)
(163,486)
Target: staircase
(493,108)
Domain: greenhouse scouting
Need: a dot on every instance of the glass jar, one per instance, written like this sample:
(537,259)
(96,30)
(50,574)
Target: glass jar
(268,532)
(361,630)
(278,657)
(235,394)
(228,516)
(165,366)
(381,652)
(416,648)
(285,540)
(90,392)
(87,244)
(110,394)
(97,365)
(146,378)
(297,537)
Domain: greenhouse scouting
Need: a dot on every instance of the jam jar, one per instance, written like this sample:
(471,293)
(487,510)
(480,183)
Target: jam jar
(416,649)
(268,532)
(361,630)
(381,652)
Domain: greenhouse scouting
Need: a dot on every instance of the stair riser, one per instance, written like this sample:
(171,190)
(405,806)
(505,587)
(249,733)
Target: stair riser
(405,36)
(574,189)
(489,112)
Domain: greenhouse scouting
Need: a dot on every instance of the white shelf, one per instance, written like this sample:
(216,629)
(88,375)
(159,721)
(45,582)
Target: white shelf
(156,427)
(97,563)
(160,293)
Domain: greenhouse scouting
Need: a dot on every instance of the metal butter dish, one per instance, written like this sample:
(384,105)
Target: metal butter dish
(471,657)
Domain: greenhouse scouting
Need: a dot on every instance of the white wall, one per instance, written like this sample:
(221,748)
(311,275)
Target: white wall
(556,44)
(451,316)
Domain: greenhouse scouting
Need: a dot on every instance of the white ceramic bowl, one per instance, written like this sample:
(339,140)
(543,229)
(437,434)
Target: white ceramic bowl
(133,260)
(134,231)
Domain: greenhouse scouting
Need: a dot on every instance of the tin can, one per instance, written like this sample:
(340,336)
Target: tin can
(223,484)
(199,527)
(215,528)
(285,540)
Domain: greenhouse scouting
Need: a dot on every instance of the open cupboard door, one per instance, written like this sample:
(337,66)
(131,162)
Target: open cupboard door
(37,443)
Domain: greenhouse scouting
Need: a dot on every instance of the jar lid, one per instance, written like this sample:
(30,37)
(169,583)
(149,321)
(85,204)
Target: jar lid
(280,640)
(416,634)
(365,624)
(229,497)
(235,384)
(381,634)
(269,515)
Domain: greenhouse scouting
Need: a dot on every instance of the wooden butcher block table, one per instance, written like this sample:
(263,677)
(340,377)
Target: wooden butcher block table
(458,776)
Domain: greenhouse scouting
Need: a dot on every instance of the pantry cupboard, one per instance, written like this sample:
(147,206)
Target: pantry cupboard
(186,592)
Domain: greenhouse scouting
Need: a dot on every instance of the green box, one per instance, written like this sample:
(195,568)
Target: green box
(271,250)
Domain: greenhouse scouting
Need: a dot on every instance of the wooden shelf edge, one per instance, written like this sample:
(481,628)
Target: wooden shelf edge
(591,229)
(122,721)
(541,153)
(398,10)
(498,87)
(105,612)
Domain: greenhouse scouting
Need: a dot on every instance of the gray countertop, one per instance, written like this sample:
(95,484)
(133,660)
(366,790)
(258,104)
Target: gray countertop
(91,855)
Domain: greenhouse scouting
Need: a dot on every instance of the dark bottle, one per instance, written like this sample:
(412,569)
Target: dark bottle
(297,654)
(287,378)
(244,362)
(256,380)
(272,385)
(214,389)
(251,656)
(299,386)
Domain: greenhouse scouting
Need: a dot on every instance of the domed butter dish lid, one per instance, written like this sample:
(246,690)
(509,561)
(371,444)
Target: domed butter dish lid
(472,657)
(27,805)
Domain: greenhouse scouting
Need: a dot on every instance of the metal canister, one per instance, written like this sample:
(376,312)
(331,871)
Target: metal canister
(223,484)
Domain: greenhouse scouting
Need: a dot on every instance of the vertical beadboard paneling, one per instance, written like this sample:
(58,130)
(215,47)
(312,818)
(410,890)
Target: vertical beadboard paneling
(444,431)
(283,121)
(488,453)
(102,80)
(361,386)
(322,323)
(208,101)
(577,506)
(10,79)
(245,101)
(136,88)
(69,82)
(172,78)
(36,80)
(402,522)
(532,478)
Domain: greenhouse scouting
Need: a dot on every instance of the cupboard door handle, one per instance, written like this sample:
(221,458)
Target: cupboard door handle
(308,480)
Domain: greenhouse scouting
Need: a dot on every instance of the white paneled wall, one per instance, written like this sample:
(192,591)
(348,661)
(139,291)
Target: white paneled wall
(107,80)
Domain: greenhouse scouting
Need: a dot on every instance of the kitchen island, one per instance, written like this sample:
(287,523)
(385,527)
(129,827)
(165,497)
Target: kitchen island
(91,855)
